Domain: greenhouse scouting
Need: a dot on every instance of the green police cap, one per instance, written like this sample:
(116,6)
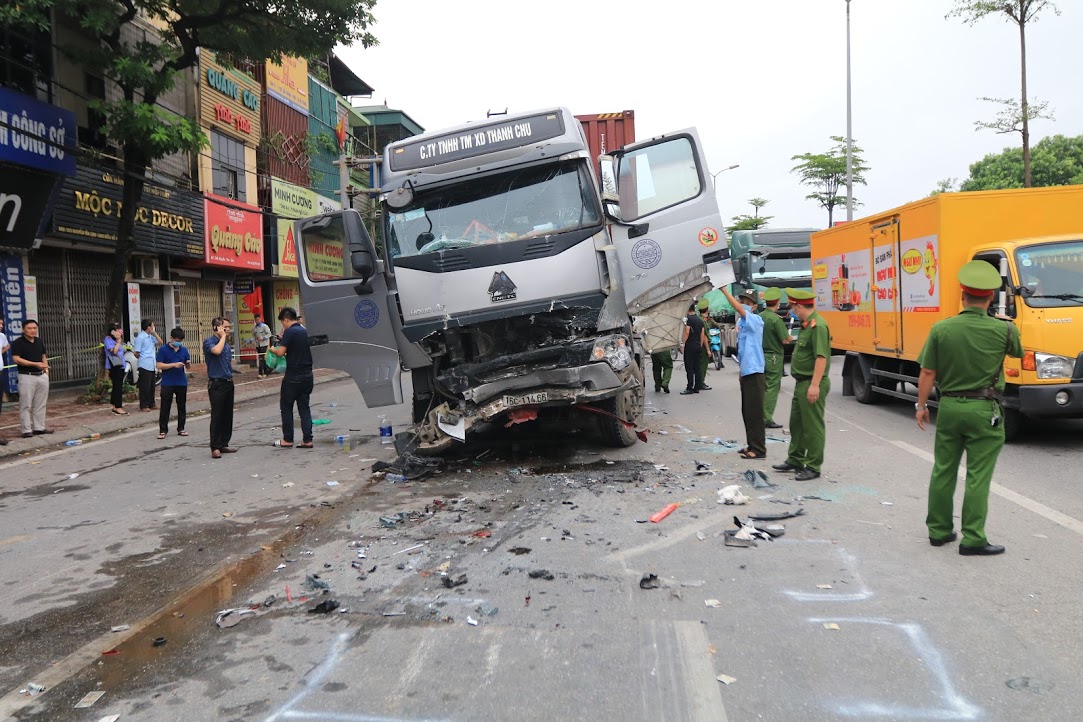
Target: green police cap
(703,304)
(801,297)
(751,295)
(979,278)
(772,294)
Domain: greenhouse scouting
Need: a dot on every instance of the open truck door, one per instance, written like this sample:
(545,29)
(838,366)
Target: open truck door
(666,226)
(348,310)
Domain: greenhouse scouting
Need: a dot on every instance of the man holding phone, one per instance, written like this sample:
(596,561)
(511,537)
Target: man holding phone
(173,361)
(219,358)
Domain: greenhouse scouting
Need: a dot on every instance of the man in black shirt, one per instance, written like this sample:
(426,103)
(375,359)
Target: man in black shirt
(695,339)
(297,382)
(28,353)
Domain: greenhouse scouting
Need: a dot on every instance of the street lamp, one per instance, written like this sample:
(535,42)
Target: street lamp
(714,176)
(849,129)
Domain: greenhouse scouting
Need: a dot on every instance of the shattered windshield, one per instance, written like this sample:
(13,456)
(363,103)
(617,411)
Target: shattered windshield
(524,203)
(1051,274)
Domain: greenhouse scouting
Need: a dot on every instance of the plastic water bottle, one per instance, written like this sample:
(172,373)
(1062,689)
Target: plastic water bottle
(385,430)
(73,442)
(395,478)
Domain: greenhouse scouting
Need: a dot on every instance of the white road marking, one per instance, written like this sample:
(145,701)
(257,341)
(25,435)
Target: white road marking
(958,708)
(861,595)
(1005,493)
(704,701)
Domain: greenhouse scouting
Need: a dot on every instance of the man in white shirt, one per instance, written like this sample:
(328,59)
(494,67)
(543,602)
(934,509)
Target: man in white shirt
(261,334)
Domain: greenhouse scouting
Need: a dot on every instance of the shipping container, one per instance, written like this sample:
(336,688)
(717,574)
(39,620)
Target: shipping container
(607,132)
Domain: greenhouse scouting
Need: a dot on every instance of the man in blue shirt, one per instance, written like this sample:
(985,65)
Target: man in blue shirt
(297,382)
(145,347)
(752,363)
(219,357)
(173,361)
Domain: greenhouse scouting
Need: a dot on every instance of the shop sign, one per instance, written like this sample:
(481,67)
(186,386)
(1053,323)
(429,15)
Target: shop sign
(168,221)
(36,135)
(13,288)
(229,100)
(288,81)
(234,234)
(25,196)
(242,286)
(135,311)
(287,293)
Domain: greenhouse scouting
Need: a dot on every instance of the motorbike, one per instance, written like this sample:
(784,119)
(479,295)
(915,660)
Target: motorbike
(131,368)
(714,337)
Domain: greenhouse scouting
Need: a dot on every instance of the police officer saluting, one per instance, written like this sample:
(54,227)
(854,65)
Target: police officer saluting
(809,367)
(964,356)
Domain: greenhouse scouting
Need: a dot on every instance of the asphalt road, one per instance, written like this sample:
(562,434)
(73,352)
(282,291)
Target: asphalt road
(922,633)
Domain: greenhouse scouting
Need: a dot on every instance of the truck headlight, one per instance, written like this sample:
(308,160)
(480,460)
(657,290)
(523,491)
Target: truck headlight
(1049,366)
(613,351)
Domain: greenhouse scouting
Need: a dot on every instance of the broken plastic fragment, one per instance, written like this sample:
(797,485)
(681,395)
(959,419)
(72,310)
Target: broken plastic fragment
(471,621)
(713,603)
(726,679)
(649,581)
(824,586)
(832,626)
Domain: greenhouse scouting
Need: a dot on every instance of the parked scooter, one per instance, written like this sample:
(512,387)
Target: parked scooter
(131,368)
(714,336)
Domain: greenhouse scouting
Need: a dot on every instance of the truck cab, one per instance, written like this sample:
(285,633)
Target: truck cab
(505,281)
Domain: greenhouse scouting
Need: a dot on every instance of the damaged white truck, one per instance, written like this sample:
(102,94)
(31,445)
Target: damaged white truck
(507,277)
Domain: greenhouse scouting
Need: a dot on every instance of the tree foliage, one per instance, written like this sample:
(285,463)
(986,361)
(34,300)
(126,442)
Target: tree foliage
(826,172)
(1056,160)
(1015,116)
(143,68)
(754,222)
(945,185)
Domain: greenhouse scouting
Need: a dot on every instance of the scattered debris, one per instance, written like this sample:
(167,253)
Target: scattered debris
(732,540)
(701,536)
(778,515)
(280,567)
(33,689)
(269,601)
(287,485)
(1030,684)
(542,574)
(120,628)
(313,583)
(757,479)
(159,642)
(713,603)
(519,551)
(332,483)
(749,531)
(887,503)
(88,700)
(110,718)
(232,617)
(832,626)
(824,586)
(389,522)
(661,467)
(726,679)
(732,495)
(228,514)
(487,609)
(324,607)
(454,581)
(408,549)
(409,466)
(471,621)
(320,422)
(649,581)
(666,511)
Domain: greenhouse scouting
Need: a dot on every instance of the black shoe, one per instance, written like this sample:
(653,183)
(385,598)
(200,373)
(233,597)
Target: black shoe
(946,540)
(657,389)
(785,466)
(665,389)
(3,442)
(772,426)
(807,475)
(27,435)
(986,551)
(703,387)
(39,432)
(686,392)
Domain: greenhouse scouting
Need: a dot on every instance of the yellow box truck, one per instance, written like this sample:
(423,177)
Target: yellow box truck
(882,282)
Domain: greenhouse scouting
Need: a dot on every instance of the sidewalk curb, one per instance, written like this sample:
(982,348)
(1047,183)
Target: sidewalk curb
(220,579)
(120,424)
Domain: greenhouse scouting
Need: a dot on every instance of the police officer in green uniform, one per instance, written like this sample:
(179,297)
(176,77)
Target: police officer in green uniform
(662,367)
(964,357)
(775,336)
(705,358)
(809,367)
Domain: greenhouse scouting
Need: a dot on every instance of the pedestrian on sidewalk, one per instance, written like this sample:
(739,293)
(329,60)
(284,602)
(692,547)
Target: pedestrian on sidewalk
(693,340)
(297,382)
(662,368)
(704,308)
(28,353)
(964,357)
(146,350)
(261,334)
(775,337)
(4,346)
(114,366)
(751,361)
(809,366)
(219,357)
(174,361)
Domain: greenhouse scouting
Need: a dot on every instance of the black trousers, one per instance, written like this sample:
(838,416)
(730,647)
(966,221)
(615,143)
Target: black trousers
(296,391)
(146,389)
(261,351)
(692,354)
(168,392)
(753,387)
(116,396)
(220,392)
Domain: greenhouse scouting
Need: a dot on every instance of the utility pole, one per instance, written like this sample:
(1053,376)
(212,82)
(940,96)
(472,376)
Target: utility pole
(849,128)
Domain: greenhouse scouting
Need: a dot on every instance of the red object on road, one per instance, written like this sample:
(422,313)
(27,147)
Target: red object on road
(482,533)
(664,513)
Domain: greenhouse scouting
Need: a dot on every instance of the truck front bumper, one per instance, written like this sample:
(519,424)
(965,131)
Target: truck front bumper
(579,384)
(1045,401)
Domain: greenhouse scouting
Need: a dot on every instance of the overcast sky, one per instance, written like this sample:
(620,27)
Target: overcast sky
(762,80)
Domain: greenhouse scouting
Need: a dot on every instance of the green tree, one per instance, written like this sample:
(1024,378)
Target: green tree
(826,172)
(144,69)
(1015,116)
(750,223)
(946,185)
(1057,160)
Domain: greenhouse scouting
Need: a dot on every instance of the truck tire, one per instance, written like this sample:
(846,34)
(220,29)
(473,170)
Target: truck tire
(863,391)
(628,406)
(1013,424)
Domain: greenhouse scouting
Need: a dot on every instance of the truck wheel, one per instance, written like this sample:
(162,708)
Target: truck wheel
(628,406)
(1013,424)
(862,389)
